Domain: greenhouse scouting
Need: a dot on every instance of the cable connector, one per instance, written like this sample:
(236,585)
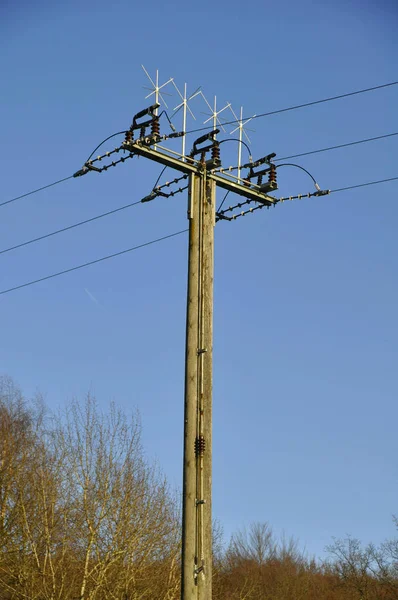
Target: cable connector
(260,161)
(172,127)
(150,196)
(321,192)
(221,217)
(86,168)
(157,191)
(81,172)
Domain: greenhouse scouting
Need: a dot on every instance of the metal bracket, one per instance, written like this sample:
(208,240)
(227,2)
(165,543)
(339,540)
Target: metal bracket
(199,570)
(150,111)
(85,169)
(201,351)
(204,138)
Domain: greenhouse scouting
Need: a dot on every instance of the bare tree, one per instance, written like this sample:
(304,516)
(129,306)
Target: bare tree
(385,566)
(256,544)
(354,566)
(123,521)
(83,515)
(19,446)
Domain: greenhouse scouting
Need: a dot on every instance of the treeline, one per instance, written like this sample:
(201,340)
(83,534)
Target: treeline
(85,516)
(257,567)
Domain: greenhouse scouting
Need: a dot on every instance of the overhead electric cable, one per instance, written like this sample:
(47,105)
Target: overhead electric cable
(372,139)
(44,187)
(297,106)
(319,150)
(80,223)
(223,200)
(37,190)
(160,175)
(103,142)
(352,187)
(47,235)
(239,142)
(93,262)
(302,169)
(87,264)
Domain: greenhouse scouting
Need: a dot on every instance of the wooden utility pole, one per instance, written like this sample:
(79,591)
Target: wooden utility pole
(196,577)
(197,520)
(203,168)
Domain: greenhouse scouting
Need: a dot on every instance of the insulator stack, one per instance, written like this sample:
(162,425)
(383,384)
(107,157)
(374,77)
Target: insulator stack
(259,180)
(215,151)
(142,132)
(200,445)
(155,126)
(129,136)
(272,174)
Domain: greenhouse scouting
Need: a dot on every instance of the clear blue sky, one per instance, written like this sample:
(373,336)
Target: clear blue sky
(305,349)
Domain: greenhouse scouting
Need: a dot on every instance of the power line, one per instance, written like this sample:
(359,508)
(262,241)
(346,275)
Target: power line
(354,143)
(80,223)
(257,116)
(87,264)
(47,235)
(160,175)
(302,169)
(372,139)
(222,215)
(223,200)
(105,140)
(239,142)
(297,106)
(352,187)
(120,208)
(35,191)
(44,187)
(327,149)
(93,262)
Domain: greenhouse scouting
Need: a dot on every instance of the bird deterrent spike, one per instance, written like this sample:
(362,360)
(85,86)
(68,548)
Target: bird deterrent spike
(155,89)
(215,112)
(185,108)
(242,132)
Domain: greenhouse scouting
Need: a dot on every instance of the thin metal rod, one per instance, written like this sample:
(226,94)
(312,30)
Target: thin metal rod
(240,141)
(184,120)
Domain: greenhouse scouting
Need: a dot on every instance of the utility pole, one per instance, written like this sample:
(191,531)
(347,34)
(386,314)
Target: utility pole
(203,168)
(204,175)
(197,521)
(196,578)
